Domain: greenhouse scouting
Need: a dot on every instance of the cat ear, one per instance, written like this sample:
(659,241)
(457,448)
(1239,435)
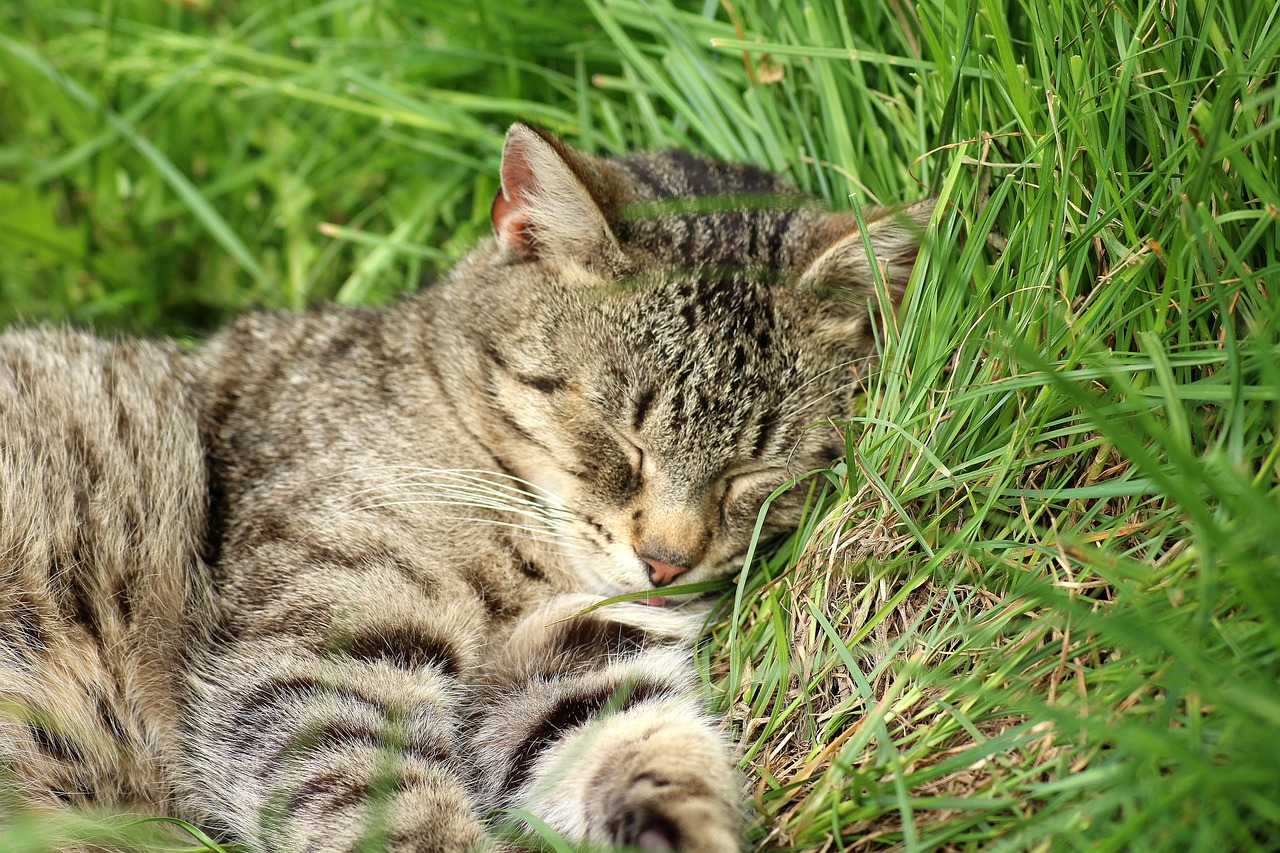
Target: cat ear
(843,269)
(545,208)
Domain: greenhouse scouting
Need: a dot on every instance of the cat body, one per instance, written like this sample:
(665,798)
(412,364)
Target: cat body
(320,580)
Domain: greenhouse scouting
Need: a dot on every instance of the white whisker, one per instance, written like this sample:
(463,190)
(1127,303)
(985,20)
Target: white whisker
(437,499)
(546,536)
(800,389)
(816,400)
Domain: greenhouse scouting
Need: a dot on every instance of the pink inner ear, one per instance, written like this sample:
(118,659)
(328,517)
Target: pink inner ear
(517,175)
(509,213)
(511,225)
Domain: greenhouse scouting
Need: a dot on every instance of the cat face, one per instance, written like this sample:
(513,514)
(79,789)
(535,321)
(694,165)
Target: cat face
(678,335)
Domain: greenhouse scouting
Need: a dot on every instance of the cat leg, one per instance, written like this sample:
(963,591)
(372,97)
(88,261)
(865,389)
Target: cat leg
(342,744)
(595,725)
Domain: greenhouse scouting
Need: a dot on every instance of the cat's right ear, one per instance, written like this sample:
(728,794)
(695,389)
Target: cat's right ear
(844,269)
(545,208)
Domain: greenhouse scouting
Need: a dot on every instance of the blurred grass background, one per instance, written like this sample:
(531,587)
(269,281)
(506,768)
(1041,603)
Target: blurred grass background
(1039,605)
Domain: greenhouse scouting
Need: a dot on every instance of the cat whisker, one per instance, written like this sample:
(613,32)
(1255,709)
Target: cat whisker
(822,397)
(437,499)
(461,483)
(495,500)
(546,536)
(534,521)
(801,389)
(471,485)
(497,479)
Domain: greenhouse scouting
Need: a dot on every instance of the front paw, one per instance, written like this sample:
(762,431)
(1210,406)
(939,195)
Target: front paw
(657,813)
(662,780)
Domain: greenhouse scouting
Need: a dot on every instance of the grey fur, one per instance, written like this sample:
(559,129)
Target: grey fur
(311,581)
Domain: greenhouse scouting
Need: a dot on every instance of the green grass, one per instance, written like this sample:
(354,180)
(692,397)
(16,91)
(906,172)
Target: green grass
(1039,607)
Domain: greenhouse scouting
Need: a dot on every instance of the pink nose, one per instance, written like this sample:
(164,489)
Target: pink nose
(662,574)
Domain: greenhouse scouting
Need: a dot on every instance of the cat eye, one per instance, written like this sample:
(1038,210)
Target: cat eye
(738,486)
(635,462)
(637,473)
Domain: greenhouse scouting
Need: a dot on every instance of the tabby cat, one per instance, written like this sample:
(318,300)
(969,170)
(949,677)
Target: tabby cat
(319,583)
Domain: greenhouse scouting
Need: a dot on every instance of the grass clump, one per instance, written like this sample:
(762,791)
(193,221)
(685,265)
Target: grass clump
(1037,608)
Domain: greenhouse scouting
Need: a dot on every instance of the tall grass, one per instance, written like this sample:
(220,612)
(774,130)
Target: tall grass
(1037,607)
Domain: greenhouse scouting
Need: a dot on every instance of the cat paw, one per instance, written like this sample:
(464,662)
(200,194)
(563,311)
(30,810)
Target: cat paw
(658,814)
(654,777)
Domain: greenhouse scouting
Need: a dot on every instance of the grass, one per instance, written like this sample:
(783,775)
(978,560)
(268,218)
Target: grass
(1037,608)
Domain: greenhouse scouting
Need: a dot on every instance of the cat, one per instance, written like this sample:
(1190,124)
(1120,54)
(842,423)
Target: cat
(321,580)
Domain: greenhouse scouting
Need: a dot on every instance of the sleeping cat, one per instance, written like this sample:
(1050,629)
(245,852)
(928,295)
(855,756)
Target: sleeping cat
(320,582)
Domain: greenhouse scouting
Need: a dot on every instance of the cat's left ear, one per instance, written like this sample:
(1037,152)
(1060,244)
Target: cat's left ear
(843,269)
(546,207)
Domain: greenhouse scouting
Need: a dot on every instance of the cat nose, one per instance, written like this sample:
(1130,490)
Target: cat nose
(660,573)
(679,547)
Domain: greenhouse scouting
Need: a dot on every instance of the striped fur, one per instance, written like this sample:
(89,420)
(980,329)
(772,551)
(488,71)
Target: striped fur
(315,585)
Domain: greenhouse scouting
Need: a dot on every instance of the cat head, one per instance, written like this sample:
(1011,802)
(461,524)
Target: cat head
(659,341)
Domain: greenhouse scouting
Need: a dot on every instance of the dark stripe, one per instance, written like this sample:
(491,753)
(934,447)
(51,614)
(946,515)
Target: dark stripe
(675,421)
(765,428)
(340,343)
(494,459)
(586,644)
(764,337)
(406,647)
(644,172)
(428,753)
(215,517)
(545,384)
(777,231)
(124,425)
(509,421)
(339,737)
(523,564)
(124,599)
(339,791)
(494,604)
(55,745)
(84,451)
(597,639)
(288,695)
(491,352)
(329,792)
(570,713)
(643,403)
(110,721)
(690,317)
(343,736)
(24,617)
(77,605)
(79,792)
(529,569)
(599,528)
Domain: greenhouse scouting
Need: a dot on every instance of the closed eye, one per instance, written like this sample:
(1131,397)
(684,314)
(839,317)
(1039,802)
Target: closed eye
(637,472)
(635,459)
(751,484)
